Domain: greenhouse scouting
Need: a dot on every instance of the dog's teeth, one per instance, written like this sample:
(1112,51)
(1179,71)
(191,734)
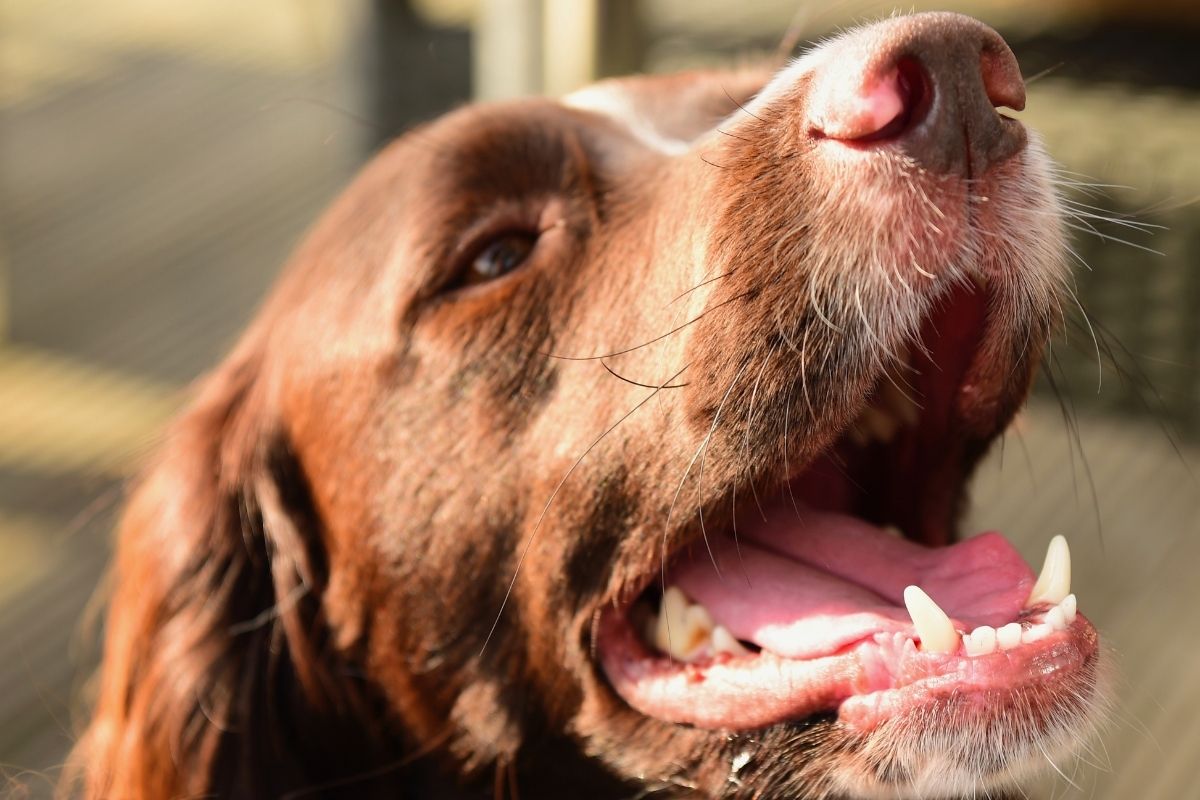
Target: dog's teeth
(934,628)
(669,627)
(1069,608)
(1054,584)
(1056,619)
(1009,636)
(697,618)
(724,642)
(1036,633)
(683,629)
(982,641)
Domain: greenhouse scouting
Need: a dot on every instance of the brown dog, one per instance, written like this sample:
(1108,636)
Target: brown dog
(567,459)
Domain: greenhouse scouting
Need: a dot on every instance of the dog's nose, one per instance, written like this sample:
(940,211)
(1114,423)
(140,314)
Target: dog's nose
(931,83)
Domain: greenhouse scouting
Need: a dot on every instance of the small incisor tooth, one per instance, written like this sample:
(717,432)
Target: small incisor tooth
(1036,633)
(1056,619)
(1009,636)
(1054,584)
(934,628)
(1069,608)
(982,641)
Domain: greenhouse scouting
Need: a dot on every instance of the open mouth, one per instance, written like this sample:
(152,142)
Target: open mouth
(846,591)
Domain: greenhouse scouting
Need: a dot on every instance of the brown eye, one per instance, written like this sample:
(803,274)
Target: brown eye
(499,257)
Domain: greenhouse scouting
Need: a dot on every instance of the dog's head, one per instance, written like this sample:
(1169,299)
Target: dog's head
(569,444)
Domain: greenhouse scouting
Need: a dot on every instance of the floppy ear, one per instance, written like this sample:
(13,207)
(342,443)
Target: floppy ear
(219,677)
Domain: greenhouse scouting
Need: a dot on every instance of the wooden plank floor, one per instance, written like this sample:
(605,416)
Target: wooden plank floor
(145,210)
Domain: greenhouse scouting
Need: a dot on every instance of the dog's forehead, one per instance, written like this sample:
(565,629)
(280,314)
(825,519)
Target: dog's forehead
(616,101)
(668,113)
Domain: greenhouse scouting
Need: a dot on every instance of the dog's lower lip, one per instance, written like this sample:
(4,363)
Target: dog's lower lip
(862,686)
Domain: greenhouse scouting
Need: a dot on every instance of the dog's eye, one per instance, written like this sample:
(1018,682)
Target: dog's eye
(499,256)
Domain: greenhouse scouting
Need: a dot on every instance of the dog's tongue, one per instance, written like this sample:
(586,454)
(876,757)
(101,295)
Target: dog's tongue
(807,585)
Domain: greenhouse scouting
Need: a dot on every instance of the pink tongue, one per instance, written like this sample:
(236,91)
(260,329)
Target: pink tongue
(807,587)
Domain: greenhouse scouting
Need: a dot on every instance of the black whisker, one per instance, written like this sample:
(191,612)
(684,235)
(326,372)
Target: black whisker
(671,332)
(613,372)
(735,136)
(742,107)
(701,284)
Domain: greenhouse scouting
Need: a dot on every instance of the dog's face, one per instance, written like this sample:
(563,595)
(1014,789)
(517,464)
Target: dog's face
(553,375)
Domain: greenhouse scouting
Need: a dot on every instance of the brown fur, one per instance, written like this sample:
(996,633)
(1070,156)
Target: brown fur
(308,574)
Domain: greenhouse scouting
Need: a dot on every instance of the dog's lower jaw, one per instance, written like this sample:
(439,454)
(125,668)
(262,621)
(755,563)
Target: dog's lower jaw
(991,758)
(819,760)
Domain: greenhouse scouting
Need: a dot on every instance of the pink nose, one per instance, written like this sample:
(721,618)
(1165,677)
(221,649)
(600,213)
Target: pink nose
(930,82)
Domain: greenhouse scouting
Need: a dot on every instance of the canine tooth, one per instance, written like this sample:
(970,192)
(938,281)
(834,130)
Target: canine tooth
(683,628)
(669,629)
(698,615)
(724,642)
(983,641)
(1069,607)
(1056,619)
(1009,636)
(1036,633)
(698,626)
(1054,583)
(934,628)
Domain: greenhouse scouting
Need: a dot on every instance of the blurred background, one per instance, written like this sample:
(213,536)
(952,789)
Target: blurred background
(159,160)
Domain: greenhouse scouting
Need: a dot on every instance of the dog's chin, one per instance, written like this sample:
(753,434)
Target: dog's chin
(803,605)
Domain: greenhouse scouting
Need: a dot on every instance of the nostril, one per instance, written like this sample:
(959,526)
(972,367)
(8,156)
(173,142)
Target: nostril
(882,109)
(1002,79)
(915,93)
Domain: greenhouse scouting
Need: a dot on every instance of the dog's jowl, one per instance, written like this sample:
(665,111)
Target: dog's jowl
(616,446)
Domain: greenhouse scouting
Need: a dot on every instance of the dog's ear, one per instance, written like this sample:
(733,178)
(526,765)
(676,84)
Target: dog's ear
(219,677)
